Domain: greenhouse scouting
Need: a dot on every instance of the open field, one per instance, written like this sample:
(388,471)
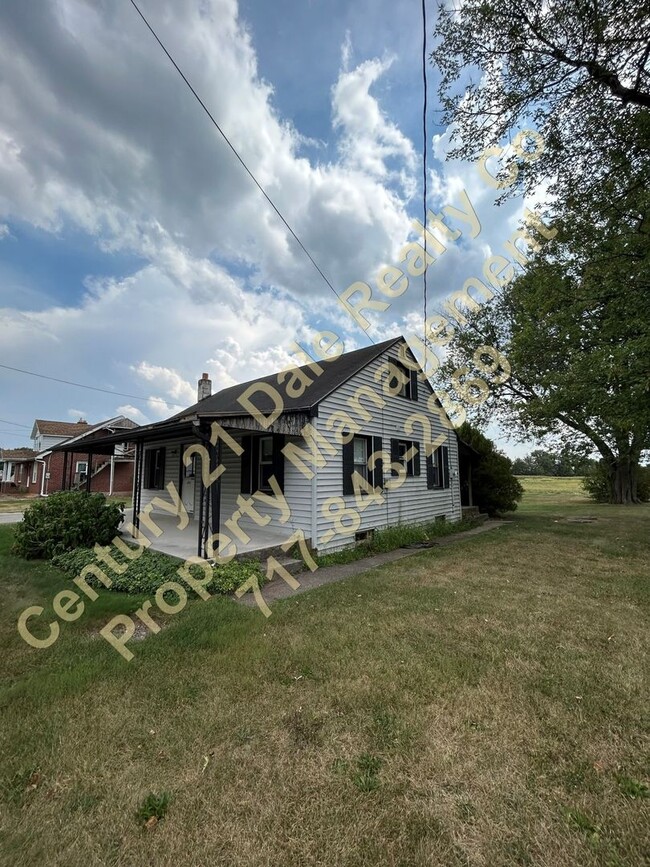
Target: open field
(482,704)
(553,491)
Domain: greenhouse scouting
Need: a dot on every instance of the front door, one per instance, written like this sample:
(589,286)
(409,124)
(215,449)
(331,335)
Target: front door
(189,479)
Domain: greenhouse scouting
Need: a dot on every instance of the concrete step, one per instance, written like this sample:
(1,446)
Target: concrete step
(293,566)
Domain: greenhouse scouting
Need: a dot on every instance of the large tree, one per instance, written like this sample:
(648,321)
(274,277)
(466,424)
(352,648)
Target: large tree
(576,325)
(576,71)
(577,339)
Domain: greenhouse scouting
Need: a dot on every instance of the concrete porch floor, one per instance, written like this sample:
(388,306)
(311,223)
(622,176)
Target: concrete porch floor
(184,543)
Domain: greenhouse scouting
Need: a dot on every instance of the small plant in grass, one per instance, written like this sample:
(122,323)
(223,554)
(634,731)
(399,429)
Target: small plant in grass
(581,822)
(65,521)
(22,784)
(632,788)
(367,777)
(153,809)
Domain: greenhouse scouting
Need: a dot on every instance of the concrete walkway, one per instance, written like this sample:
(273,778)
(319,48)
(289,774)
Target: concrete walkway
(10,517)
(279,589)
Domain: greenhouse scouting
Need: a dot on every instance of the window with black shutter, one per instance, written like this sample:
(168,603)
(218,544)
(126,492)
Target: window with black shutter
(356,457)
(404,381)
(399,449)
(438,468)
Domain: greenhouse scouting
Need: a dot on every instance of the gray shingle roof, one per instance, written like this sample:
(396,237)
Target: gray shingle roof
(335,373)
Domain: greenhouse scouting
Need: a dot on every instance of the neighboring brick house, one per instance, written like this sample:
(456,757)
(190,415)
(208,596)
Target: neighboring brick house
(16,469)
(41,470)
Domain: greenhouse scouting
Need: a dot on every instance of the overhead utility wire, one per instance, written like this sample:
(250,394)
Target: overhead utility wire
(424,163)
(14,423)
(232,148)
(91,387)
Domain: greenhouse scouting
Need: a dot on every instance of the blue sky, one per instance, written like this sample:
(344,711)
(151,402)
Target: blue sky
(135,253)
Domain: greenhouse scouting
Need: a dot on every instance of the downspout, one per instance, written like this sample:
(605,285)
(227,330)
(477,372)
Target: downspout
(110,484)
(41,461)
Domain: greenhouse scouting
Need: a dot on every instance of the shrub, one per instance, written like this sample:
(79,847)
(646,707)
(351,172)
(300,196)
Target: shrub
(64,521)
(152,569)
(598,486)
(494,486)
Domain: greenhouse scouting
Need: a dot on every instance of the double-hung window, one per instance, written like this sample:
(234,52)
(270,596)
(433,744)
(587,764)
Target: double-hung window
(154,470)
(406,453)
(360,454)
(438,468)
(362,459)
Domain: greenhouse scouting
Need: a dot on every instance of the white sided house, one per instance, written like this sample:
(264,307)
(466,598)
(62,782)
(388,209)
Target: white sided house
(328,453)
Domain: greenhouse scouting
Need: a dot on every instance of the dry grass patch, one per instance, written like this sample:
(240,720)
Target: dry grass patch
(482,704)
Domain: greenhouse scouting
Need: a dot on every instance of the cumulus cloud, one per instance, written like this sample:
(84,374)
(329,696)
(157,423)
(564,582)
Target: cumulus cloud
(98,133)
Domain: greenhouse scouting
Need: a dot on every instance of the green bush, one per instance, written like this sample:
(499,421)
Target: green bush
(152,569)
(64,521)
(598,486)
(494,486)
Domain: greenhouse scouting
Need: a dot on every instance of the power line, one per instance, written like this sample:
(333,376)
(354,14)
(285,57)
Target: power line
(239,158)
(14,423)
(424,163)
(91,387)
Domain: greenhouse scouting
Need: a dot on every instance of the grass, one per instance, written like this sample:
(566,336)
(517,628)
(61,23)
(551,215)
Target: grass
(479,704)
(19,504)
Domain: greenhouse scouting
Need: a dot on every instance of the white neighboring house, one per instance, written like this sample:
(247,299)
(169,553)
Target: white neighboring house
(366,420)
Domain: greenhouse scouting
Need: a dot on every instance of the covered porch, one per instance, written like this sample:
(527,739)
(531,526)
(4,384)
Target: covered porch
(208,475)
(185,543)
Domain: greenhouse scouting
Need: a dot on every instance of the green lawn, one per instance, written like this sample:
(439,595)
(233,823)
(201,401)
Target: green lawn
(19,504)
(480,704)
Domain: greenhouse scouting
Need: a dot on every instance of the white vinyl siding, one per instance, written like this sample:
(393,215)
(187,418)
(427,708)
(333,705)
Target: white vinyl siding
(412,503)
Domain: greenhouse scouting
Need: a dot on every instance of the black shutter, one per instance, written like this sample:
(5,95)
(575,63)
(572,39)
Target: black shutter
(445,466)
(377,480)
(348,467)
(414,385)
(394,455)
(278,460)
(430,477)
(246,464)
(415,462)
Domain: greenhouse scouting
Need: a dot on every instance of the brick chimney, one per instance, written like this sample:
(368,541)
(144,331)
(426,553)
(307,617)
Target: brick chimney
(205,387)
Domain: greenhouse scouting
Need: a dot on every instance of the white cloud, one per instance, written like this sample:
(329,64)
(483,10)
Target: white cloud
(78,414)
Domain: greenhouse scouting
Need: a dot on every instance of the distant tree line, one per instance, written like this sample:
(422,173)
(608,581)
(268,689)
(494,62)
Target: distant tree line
(566,462)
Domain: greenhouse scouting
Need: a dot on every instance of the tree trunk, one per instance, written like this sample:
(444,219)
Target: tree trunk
(623,480)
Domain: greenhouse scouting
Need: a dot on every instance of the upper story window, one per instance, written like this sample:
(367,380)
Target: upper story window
(405,381)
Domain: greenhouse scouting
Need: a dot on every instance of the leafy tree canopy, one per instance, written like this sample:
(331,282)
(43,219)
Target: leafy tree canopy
(576,71)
